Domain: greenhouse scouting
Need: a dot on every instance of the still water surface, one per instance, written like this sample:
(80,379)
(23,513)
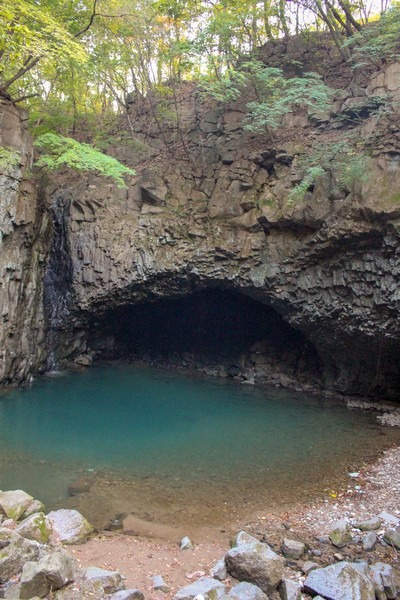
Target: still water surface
(173,447)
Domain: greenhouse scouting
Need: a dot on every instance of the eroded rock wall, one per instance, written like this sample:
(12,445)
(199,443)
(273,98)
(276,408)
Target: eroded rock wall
(217,215)
(23,228)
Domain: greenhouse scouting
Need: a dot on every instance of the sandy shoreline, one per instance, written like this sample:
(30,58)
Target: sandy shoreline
(375,489)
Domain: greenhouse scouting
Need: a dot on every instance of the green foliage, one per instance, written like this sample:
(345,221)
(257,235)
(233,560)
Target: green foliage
(9,159)
(277,95)
(62,151)
(378,40)
(344,160)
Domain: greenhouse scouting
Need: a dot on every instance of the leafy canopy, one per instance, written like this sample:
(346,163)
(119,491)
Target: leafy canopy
(67,152)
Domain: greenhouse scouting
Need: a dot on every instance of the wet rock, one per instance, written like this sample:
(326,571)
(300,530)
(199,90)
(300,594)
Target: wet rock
(340,582)
(15,551)
(111,581)
(52,572)
(290,590)
(392,537)
(218,571)
(293,549)
(340,535)
(205,586)
(132,594)
(369,525)
(369,541)
(382,577)
(247,591)
(14,503)
(256,563)
(69,526)
(186,543)
(36,527)
(243,538)
(159,584)
(80,486)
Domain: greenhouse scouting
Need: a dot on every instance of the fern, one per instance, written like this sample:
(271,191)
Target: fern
(62,151)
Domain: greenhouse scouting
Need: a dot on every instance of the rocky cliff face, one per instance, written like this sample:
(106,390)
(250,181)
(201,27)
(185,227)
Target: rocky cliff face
(211,216)
(22,256)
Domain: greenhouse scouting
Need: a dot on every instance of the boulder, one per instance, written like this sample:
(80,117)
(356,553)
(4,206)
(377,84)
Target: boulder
(14,503)
(15,552)
(293,549)
(309,566)
(369,524)
(340,582)
(69,526)
(111,581)
(290,590)
(340,535)
(243,538)
(36,527)
(256,563)
(247,591)
(205,586)
(52,572)
(382,577)
(132,594)
(392,537)
(218,571)
(159,584)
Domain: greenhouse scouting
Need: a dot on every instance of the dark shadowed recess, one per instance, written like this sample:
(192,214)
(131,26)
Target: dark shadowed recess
(214,325)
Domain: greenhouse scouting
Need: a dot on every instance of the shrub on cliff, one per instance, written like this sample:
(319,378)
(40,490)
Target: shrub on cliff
(62,151)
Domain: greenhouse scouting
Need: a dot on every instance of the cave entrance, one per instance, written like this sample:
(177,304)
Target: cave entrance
(215,331)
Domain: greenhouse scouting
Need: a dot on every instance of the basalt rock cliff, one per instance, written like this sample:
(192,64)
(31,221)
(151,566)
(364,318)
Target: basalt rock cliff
(203,249)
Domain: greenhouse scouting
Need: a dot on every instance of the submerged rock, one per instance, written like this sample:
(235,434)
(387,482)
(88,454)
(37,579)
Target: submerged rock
(340,582)
(205,586)
(256,563)
(69,526)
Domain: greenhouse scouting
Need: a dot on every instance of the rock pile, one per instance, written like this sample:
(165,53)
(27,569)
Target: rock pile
(33,563)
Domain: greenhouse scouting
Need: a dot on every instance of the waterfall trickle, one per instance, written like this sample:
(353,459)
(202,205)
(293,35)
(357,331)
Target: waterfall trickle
(58,293)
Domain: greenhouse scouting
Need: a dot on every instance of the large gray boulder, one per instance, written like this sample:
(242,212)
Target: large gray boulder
(52,572)
(36,527)
(15,551)
(340,582)
(205,586)
(256,563)
(14,503)
(111,581)
(69,526)
(247,591)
